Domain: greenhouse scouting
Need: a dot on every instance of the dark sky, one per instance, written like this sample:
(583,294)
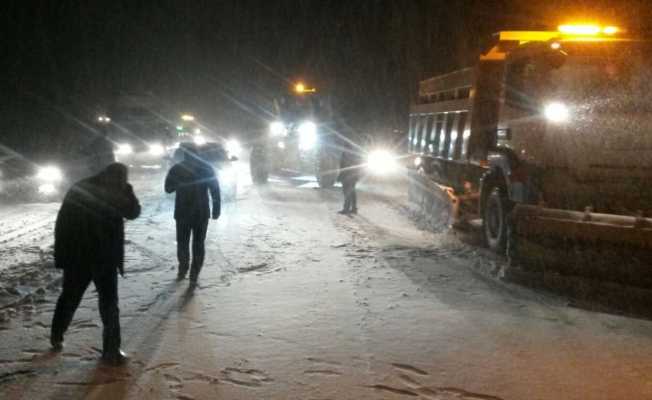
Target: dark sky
(66,60)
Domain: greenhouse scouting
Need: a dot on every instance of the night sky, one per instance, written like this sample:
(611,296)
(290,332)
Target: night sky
(223,60)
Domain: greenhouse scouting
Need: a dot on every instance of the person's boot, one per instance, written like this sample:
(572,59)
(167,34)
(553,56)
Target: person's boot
(57,344)
(194,278)
(115,358)
(182,272)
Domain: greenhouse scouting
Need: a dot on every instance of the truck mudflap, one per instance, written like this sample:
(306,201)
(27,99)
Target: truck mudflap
(585,226)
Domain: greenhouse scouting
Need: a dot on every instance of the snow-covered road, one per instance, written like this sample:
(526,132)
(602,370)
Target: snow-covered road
(299,302)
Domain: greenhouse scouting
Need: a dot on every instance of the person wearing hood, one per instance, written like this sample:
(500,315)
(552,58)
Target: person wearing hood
(193,180)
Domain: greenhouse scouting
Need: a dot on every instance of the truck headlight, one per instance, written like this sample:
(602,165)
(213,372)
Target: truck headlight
(277,128)
(382,162)
(233,148)
(156,149)
(307,135)
(49,174)
(556,112)
(124,149)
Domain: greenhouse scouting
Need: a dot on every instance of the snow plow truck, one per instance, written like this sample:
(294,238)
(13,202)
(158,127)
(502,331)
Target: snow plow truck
(545,144)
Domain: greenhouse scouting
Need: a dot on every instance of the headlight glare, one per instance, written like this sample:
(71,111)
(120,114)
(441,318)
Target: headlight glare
(556,112)
(233,148)
(381,162)
(307,135)
(49,174)
(199,140)
(124,149)
(277,128)
(47,189)
(156,149)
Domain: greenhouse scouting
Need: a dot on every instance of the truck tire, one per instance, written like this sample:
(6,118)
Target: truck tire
(259,165)
(327,170)
(495,219)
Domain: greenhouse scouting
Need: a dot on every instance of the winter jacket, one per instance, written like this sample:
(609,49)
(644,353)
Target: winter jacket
(89,230)
(192,181)
(350,168)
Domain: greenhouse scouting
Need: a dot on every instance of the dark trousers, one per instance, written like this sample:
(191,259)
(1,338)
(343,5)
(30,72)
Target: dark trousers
(75,282)
(186,228)
(350,198)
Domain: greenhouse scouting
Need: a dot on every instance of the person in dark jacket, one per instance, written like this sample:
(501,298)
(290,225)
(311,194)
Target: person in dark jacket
(192,179)
(350,170)
(89,246)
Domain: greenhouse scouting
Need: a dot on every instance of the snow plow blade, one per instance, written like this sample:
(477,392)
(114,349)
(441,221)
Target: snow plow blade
(586,226)
(601,260)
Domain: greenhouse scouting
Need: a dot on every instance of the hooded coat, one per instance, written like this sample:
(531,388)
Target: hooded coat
(89,230)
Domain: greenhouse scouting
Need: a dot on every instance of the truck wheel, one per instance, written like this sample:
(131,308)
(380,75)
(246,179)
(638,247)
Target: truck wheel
(495,219)
(327,171)
(258,165)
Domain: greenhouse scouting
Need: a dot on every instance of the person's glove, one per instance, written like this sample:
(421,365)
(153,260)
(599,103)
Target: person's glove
(216,214)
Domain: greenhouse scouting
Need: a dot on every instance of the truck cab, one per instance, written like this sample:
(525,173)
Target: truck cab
(577,114)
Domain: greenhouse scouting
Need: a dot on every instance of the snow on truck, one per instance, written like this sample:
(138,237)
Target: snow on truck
(547,137)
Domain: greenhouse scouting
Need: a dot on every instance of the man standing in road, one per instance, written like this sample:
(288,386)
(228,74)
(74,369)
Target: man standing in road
(349,176)
(89,246)
(192,180)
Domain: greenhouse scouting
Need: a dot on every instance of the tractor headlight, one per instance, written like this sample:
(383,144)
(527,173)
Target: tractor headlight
(307,135)
(49,174)
(556,112)
(382,162)
(277,128)
(156,149)
(124,149)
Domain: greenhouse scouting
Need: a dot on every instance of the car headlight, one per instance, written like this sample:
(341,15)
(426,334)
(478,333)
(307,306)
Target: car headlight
(173,146)
(124,149)
(556,112)
(233,148)
(307,135)
(47,189)
(281,145)
(156,149)
(277,128)
(49,174)
(381,162)
(199,140)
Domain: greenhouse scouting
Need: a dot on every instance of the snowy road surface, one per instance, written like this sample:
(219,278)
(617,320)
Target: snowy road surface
(298,302)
